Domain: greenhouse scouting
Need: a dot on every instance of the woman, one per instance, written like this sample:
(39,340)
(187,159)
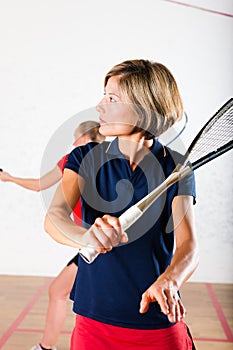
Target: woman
(129,297)
(87,131)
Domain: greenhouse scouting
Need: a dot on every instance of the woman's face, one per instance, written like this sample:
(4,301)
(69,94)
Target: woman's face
(116,116)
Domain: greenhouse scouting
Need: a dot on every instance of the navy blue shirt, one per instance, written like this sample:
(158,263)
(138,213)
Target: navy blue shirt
(109,290)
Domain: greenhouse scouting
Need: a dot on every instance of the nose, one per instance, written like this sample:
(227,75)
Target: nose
(100,105)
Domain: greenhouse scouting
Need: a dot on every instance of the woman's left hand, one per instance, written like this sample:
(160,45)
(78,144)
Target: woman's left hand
(165,293)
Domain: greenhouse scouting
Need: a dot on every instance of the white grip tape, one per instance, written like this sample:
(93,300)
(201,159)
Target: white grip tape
(127,219)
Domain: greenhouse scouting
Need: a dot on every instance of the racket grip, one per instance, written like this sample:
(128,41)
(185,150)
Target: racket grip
(127,219)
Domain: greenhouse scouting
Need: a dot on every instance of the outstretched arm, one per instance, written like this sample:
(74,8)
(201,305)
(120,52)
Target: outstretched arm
(184,262)
(42,183)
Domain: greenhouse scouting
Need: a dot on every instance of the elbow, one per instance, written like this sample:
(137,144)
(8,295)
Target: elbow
(34,185)
(51,228)
(47,224)
(37,186)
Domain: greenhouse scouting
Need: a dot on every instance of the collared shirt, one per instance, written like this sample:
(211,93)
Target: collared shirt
(109,290)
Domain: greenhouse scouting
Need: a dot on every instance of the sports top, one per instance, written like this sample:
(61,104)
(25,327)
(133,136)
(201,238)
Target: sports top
(109,290)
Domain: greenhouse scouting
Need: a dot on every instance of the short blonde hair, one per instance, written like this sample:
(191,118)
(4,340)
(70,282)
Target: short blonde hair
(152,90)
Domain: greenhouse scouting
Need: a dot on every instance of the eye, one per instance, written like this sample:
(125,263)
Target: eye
(112,99)
(109,98)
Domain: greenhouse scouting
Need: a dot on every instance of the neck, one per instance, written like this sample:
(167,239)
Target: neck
(134,148)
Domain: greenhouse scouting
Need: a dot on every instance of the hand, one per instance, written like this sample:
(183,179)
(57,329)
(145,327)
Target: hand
(4,176)
(106,233)
(165,293)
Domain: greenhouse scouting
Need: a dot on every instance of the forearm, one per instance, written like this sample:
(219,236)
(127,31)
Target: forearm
(38,184)
(165,289)
(59,225)
(64,232)
(30,184)
(183,264)
(185,259)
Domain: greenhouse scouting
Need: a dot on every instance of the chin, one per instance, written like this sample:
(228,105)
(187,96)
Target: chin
(105,130)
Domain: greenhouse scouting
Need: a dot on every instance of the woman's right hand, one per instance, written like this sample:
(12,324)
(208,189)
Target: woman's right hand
(106,233)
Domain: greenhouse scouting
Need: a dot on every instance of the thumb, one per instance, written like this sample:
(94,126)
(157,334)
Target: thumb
(124,238)
(145,302)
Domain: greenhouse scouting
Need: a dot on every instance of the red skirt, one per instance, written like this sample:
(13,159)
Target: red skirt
(89,334)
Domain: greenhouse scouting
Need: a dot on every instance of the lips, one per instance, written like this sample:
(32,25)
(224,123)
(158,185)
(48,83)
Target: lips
(102,121)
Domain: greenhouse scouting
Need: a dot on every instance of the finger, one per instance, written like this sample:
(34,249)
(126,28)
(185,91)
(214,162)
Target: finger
(177,309)
(94,241)
(171,301)
(115,223)
(177,316)
(182,309)
(104,243)
(163,302)
(108,232)
(145,302)
(178,312)
(97,237)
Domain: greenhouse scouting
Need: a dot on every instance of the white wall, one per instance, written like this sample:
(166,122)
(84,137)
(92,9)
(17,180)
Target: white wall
(54,55)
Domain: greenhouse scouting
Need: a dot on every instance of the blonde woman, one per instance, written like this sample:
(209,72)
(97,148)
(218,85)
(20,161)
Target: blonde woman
(128,298)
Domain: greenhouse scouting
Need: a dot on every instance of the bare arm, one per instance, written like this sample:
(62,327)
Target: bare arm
(102,235)
(185,259)
(58,223)
(184,262)
(42,183)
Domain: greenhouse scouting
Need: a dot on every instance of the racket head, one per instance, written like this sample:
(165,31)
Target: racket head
(215,137)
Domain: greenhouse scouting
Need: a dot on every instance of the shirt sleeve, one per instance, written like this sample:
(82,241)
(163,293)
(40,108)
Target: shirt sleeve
(62,162)
(76,162)
(187,186)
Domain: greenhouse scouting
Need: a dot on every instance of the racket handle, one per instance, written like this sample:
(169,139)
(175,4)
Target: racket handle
(127,219)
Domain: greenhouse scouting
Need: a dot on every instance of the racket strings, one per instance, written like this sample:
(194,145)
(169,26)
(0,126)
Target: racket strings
(217,133)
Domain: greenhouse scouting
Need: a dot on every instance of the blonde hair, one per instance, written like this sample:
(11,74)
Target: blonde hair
(152,90)
(91,129)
